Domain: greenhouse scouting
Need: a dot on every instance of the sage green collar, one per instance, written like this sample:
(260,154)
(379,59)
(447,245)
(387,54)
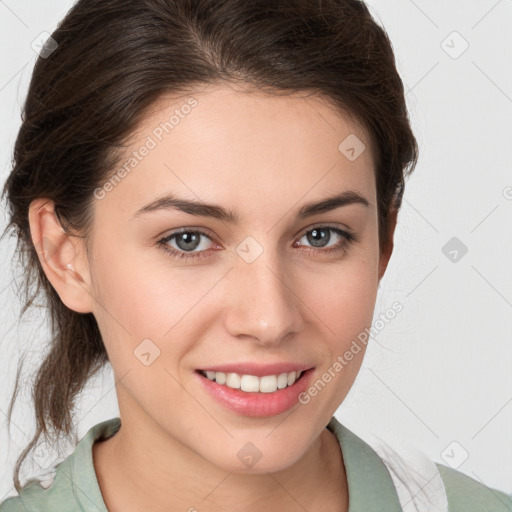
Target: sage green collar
(370,486)
(88,492)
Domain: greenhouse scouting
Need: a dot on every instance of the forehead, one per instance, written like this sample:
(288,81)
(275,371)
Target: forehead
(221,144)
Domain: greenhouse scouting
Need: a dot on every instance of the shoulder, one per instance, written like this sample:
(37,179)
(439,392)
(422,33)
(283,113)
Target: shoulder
(466,494)
(12,505)
(422,485)
(426,485)
(31,498)
(72,485)
(54,494)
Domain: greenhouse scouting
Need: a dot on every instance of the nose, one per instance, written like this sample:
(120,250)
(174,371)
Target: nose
(262,304)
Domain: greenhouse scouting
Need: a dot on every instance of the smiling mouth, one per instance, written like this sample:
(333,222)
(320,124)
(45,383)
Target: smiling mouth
(252,383)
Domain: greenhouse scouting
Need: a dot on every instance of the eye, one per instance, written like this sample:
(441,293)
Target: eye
(186,240)
(320,236)
(188,243)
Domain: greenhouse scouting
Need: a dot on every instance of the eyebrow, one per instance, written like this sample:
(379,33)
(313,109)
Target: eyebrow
(172,202)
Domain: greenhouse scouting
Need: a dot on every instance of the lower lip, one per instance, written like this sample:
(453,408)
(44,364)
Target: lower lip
(256,403)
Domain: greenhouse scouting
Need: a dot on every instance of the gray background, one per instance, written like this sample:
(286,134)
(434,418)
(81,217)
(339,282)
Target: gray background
(438,377)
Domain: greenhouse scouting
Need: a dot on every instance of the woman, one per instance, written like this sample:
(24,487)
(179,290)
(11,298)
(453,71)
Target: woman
(206,192)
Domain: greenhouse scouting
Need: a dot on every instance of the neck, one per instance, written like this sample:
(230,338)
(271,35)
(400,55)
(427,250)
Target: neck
(147,470)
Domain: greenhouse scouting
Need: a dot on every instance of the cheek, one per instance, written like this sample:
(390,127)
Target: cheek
(138,302)
(343,297)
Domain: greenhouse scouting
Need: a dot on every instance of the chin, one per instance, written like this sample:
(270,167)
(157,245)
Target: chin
(256,457)
(259,467)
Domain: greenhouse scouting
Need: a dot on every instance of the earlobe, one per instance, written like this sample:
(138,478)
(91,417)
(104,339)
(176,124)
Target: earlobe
(61,255)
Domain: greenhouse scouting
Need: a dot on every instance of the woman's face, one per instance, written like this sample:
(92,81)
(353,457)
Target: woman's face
(263,293)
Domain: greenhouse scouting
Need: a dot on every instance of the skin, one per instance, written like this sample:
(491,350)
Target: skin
(263,157)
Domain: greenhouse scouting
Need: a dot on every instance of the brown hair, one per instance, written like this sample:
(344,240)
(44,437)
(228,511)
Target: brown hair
(113,60)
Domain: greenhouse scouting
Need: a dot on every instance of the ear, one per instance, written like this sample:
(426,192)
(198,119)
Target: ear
(385,254)
(62,256)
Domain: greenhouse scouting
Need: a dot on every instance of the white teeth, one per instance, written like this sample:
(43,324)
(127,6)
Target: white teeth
(253,384)
(282,380)
(249,383)
(233,380)
(268,384)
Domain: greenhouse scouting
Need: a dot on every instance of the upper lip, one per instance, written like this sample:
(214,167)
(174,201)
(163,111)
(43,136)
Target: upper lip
(258,370)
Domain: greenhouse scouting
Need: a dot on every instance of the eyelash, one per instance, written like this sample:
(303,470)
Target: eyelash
(347,239)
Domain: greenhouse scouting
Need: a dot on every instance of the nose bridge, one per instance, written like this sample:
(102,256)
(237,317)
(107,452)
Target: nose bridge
(263,306)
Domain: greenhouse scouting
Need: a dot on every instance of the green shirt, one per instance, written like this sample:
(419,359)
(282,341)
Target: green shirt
(371,487)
